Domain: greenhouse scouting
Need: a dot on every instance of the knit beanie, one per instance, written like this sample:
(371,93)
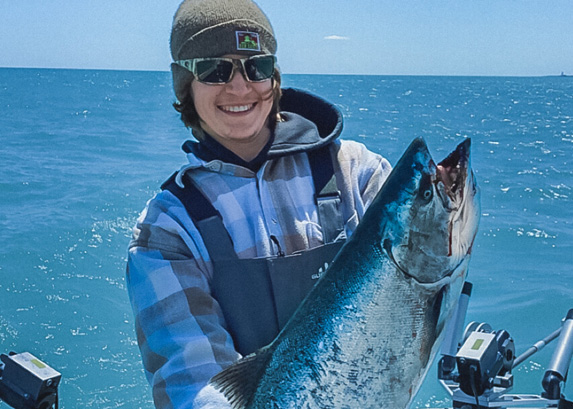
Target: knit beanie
(212,28)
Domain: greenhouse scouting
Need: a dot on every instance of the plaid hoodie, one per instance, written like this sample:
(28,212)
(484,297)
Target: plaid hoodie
(180,328)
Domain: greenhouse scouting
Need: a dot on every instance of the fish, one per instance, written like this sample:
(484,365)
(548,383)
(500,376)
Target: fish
(368,331)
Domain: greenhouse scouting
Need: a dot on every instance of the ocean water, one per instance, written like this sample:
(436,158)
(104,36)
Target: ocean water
(82,151)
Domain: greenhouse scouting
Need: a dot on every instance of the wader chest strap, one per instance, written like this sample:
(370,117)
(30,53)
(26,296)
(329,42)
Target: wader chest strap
(205,217)
(327,195)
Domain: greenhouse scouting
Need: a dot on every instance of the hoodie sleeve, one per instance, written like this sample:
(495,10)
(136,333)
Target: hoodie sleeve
(362,174)
(179,325)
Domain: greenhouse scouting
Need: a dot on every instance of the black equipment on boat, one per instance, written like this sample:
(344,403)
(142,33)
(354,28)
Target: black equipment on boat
(476,369)
(28,383)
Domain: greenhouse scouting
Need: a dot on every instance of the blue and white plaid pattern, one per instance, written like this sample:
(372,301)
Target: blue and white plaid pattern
(180,328)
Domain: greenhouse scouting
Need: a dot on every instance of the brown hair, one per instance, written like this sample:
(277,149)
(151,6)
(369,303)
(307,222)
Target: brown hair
(189,116)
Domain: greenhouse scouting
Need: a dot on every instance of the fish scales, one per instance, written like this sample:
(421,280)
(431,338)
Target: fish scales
(367,333)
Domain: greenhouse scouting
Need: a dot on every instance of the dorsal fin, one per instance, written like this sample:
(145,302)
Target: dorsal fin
(239,382)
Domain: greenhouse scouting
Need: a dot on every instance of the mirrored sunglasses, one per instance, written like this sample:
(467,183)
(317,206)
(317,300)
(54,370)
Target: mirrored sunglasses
(257,68)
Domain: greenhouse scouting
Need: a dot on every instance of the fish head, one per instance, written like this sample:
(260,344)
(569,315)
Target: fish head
(437,215)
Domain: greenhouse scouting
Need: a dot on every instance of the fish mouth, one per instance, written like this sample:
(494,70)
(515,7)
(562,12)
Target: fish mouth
(452,172)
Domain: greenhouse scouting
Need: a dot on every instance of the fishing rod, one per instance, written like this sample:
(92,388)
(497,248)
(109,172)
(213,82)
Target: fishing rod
(475,369)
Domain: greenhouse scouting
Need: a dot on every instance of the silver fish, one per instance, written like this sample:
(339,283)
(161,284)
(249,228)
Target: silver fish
(369,330)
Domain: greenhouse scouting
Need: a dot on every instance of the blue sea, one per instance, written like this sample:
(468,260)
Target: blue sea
(82,151)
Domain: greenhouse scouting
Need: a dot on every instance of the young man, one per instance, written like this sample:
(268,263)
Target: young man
(222,257)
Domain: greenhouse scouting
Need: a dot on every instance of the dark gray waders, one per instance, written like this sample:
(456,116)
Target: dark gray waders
(258,296)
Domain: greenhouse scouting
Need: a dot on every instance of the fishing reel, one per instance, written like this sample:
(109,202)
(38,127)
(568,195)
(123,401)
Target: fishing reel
(485,359)
(28,383)
(476,368)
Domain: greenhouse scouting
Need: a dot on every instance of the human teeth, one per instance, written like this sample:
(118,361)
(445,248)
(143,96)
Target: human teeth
(238,108)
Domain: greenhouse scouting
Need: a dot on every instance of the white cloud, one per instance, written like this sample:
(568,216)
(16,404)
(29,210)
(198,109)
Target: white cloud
(335,37)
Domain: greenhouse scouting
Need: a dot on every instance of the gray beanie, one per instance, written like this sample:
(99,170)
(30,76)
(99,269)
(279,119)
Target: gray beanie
(212,28)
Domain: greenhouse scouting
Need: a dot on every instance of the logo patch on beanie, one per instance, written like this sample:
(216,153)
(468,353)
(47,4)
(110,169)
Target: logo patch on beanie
(248,41)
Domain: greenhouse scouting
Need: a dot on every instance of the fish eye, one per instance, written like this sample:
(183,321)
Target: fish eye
(427,195)
(426,189)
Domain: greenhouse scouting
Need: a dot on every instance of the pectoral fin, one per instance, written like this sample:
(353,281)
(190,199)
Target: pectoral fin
(240,381)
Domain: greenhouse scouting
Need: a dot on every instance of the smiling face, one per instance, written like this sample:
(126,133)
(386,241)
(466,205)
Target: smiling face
(235,114)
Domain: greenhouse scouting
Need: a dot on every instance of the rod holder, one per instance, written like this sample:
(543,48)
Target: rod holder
(558,367)
(453,335)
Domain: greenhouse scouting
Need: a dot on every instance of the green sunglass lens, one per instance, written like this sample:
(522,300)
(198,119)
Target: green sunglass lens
(214,71)
(260,69)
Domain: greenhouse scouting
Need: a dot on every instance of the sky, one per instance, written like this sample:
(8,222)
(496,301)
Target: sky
(382,37)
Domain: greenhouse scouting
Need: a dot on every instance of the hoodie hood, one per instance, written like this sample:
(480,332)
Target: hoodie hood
(309,122)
